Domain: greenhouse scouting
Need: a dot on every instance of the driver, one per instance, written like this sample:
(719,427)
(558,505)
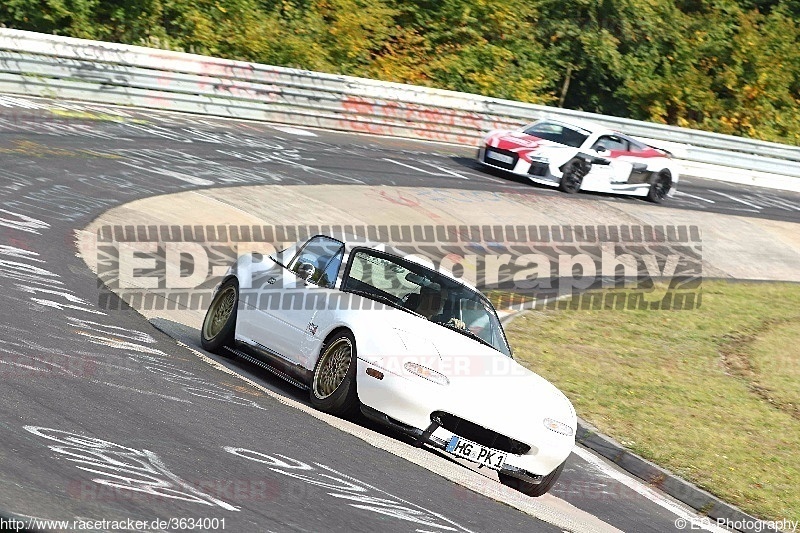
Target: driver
(431,305)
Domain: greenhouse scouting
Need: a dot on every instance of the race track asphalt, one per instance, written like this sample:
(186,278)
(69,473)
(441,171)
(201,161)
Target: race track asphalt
(105,417)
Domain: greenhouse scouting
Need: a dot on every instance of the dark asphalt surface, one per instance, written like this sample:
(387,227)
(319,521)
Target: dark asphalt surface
(123,423)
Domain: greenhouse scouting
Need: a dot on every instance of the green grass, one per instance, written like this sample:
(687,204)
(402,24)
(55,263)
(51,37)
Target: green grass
(711,394)
(774,366)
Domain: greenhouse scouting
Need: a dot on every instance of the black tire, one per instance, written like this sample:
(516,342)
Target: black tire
(219,325)
(660,187)
(333,386)
(573,173)
(531,489)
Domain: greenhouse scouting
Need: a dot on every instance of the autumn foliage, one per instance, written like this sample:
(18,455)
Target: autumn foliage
(731,66)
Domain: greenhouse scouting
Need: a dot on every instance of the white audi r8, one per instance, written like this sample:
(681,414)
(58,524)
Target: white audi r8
(366,328)
(582,156)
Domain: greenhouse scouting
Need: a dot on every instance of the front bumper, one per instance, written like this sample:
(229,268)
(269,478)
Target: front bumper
(536,169)
(408,405)
(437,437)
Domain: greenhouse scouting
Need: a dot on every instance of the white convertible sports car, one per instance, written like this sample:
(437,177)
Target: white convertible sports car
(367,328)
(582,156)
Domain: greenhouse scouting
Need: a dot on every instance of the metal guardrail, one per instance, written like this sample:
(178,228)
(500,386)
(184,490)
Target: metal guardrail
(62,67)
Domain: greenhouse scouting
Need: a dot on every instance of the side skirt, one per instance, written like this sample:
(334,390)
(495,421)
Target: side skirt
(273,363)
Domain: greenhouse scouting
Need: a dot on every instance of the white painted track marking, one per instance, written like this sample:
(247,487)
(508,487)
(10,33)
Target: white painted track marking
(496,180)
(735,199)
(410,166)
(442,170)
(295,131)
(775,201)
(345,476)
(202,182)
(681,193)
(451,172)
(26,367)
(334,175)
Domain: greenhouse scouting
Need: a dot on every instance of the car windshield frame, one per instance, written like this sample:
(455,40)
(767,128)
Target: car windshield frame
(575,140)
(482,323)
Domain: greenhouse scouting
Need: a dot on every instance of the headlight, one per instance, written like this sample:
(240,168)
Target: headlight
(558,427)
(427,373)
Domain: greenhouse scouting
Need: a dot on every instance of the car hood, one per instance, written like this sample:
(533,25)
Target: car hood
(499,376)
(471,366)
(519,142)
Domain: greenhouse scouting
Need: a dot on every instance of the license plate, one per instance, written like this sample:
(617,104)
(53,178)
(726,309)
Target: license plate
(477,453)
(503,158)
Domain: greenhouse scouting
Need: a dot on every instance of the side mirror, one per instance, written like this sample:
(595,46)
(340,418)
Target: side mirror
(305,270)
(601,149)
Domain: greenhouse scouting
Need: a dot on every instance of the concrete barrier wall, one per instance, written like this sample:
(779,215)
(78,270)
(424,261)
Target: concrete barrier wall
(62,67)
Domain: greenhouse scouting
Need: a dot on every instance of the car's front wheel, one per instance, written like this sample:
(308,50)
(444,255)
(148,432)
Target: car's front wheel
(333,388)
(574,172)
(533,489)
(219,324)
(660,187)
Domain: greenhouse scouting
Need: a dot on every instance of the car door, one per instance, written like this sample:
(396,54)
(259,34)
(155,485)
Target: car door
(614,149)
(307,286)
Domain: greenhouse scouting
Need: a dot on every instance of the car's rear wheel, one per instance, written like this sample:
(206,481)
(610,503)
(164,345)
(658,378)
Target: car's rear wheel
(333,388)
(533,489)
(219,324)
(573,173)
(660,187)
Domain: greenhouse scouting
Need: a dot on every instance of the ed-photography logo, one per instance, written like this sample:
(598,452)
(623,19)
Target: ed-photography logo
(517,267)
(755,525)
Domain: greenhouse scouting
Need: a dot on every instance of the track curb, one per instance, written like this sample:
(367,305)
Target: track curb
(702,501)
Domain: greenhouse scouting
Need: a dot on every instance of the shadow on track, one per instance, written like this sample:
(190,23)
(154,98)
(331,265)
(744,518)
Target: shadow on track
(191,338)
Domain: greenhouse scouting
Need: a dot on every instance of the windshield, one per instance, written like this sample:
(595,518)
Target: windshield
(558,133)
(422,291)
